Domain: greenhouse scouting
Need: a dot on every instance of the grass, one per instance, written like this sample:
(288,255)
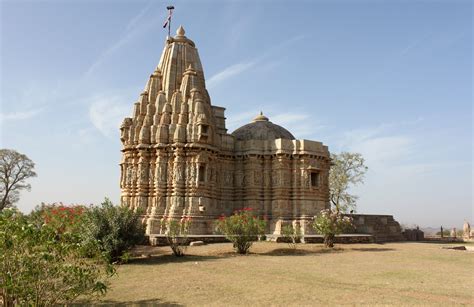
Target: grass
(373,274)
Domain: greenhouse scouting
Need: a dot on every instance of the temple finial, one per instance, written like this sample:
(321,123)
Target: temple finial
(261,118)
(180,31)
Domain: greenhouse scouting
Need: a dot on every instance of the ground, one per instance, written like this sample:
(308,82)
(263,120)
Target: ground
(273,274)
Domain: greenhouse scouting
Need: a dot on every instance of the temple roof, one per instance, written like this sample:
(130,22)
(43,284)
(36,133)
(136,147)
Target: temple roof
(261,128)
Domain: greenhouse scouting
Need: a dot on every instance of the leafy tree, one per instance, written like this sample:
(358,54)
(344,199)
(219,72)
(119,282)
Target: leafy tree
(116,228)
(15,169)
(241,228)
(41,267)
(348,170)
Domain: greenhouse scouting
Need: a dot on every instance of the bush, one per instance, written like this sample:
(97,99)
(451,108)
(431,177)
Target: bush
(177,235)
(291,234)
(116,228)
(41,266)
(241,228)
(331,223)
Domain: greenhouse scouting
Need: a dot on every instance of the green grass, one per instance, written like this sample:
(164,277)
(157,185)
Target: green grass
(393,274)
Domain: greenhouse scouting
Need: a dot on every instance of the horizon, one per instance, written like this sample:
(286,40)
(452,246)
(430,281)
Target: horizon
(392,81)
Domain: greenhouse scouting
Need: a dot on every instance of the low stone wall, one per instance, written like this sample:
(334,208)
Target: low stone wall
(160,240)
(344,238)
(384,228)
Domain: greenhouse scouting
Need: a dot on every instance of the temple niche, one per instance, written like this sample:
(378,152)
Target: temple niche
(178,159)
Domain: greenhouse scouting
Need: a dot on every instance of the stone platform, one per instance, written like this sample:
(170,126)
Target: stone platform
(344,238)
(384,228)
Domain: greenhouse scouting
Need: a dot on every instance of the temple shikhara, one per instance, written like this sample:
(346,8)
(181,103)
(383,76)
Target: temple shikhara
(180,161)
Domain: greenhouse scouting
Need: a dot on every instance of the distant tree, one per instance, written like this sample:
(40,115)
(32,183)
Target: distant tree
(15,169)
(348,170)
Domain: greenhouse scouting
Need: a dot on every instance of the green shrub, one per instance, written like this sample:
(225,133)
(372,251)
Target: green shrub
(331,223)
(177,235)
(116,228)
(40,266)
(241,228)
(292,235)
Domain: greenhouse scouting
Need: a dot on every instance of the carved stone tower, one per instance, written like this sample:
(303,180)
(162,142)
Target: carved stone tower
(179,161)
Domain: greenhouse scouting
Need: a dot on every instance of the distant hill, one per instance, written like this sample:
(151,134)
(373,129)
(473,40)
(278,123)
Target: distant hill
(431,231)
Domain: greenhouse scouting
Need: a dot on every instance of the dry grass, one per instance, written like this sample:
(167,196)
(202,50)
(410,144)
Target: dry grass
(389,274)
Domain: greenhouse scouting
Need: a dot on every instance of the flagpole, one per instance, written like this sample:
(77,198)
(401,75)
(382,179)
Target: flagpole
(170,10)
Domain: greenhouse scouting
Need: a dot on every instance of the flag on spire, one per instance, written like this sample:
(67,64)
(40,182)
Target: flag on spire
(168,19)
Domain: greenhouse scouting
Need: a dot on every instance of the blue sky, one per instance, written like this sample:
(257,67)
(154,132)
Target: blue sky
(389,79)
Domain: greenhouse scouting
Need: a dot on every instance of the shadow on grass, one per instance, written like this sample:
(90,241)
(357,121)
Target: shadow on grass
(301,252)
(149,302)
(169,258)
(373,249)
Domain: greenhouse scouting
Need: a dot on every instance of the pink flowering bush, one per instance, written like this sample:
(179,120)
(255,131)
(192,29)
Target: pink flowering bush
(241,228)
(331,223)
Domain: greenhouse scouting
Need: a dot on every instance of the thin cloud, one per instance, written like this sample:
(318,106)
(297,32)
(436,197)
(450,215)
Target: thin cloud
(237,69)
(133,29)
(136,19)
(106,114)
(229,72)
(22,115)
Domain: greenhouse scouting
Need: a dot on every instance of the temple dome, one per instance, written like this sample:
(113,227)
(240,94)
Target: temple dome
(261,128)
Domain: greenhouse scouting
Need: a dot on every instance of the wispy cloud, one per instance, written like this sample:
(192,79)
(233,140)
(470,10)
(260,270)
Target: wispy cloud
(136,19)
(301,125)
(107,112)
(137,25)
(20,115)
(229,72)
(390,149)
(239,68)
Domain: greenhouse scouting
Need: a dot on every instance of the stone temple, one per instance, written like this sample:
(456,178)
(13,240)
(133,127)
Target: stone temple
(180,161)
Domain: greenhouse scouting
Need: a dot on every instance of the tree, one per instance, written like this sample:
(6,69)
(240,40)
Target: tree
(347,170)
(15,169)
